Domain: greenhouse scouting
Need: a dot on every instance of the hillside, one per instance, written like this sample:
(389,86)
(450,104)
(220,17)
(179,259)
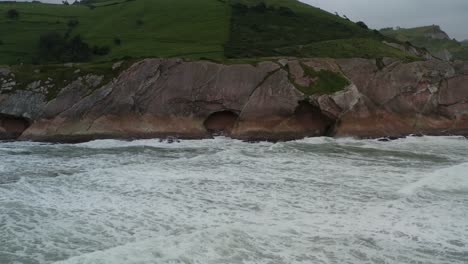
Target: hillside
(431,37)
(104,30)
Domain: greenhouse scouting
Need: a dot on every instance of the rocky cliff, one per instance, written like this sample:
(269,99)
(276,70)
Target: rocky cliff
(273,100)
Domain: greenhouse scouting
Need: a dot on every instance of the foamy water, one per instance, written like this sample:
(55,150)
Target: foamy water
(221,201)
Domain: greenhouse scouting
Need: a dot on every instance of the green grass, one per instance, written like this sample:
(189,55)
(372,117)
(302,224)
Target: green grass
(201,29)
(346,48)
(60,76)
(260,34)
(417,36)
(327,82)
(182,28)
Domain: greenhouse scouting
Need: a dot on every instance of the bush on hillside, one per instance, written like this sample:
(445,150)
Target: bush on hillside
(12,14)
(77,50)
(51,44)
(362,25)
(376,32)
(53,47)
(117,41)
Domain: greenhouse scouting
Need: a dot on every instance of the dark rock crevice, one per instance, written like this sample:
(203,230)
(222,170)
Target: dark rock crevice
(11,127)
(221,123)
(312,121)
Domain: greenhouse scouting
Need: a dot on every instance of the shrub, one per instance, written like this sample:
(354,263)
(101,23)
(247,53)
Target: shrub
(53,47)
(327,82)
(362,25)
(117,41)
(12,14)
(77,50)
(376,32)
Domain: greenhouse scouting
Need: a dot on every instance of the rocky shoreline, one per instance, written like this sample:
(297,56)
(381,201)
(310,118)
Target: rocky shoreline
(272,100)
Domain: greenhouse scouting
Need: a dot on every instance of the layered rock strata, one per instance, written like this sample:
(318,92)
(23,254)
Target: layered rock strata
(171,97)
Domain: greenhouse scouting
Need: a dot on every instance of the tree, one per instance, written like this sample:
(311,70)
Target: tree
(77,50)
(12,14)
(53,47)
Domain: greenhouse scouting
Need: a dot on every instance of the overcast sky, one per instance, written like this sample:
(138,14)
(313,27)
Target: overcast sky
(451,15)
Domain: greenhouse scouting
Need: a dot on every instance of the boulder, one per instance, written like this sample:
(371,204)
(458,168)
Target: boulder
(25,104)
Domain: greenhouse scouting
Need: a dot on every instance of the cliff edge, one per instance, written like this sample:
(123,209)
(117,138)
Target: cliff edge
(280,99)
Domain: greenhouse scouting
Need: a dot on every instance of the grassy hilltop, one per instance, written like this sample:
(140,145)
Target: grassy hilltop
(106,30)
(430,37)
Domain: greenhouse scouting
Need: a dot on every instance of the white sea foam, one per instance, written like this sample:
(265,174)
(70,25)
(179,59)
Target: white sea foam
(453,178)
(317,200)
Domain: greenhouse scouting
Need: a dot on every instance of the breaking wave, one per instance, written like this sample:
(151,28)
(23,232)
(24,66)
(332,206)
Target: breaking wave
(317,200)
(451,179)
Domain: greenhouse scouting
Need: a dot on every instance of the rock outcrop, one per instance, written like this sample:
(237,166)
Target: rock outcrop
(171,97)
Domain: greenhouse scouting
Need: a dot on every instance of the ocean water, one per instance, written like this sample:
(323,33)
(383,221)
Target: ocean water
(218,201)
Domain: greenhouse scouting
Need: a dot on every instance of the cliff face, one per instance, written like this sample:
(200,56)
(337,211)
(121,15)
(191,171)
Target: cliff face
(169,97)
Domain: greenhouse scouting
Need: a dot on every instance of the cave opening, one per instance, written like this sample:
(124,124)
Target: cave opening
(312,120)
(11,127)
(221,123)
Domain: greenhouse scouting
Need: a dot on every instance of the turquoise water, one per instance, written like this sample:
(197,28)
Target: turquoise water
(217,201)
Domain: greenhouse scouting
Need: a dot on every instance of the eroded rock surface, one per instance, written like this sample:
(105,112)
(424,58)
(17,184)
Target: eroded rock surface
(170,97)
